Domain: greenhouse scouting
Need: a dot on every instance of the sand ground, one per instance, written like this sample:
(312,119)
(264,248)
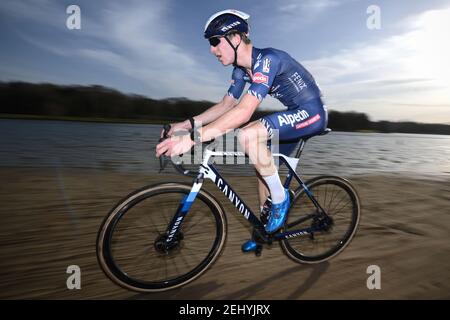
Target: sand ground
(50,218)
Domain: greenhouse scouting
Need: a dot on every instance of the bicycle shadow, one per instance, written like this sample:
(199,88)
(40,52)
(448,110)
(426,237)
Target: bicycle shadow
(194,292)
(250,291)
(199,291)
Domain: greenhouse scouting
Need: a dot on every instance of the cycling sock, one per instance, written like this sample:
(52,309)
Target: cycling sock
(275,187)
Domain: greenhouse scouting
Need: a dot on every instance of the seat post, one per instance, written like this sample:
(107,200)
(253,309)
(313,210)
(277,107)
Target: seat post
(303,142)
(300,148)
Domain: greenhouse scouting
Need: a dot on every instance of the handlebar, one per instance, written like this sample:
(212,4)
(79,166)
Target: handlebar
(163,160)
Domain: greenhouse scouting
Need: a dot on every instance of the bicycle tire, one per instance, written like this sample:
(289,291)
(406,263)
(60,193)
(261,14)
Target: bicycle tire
(295,248)
(113,265)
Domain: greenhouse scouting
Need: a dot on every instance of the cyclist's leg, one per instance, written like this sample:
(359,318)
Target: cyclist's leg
(291,125)
(253,140)
(263,191)
(308,120)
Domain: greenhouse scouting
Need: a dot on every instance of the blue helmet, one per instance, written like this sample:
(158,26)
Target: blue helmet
(226,21)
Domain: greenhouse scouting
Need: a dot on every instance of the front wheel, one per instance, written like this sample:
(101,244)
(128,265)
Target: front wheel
(339,200)
(131,243)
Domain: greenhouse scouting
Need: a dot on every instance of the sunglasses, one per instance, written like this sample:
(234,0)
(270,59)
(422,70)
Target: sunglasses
(214,41)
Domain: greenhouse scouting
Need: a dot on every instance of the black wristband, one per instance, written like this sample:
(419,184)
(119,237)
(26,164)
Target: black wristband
(195,136)
(191,120)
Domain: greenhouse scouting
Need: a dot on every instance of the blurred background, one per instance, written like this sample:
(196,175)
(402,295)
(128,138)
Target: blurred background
(84,92)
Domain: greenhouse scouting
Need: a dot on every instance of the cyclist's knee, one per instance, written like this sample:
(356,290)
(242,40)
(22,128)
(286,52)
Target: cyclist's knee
(243,138)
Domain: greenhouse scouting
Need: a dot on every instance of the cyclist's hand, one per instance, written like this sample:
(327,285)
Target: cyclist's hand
(179,126)
(174,146)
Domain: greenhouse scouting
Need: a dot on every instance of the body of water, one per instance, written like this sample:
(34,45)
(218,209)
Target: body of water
(131,147)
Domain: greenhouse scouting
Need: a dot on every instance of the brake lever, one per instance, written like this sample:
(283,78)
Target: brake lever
(162,163)
(162,158)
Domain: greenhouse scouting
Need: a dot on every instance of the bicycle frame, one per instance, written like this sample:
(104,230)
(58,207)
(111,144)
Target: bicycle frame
(208,171)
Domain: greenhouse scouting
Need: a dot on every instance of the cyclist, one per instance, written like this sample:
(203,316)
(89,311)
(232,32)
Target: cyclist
(269,71)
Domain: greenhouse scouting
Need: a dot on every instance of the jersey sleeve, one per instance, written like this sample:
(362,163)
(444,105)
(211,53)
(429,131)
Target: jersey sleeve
(264,72)
(237,83)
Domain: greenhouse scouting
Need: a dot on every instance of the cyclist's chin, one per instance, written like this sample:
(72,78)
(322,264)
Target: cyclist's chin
(225,62)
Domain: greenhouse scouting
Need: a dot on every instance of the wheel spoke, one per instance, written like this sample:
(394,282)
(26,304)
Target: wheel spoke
(138,250)
(337,199)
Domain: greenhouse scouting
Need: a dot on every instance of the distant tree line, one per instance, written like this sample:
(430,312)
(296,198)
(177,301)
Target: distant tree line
(20,98)
(91,101)
(354,121)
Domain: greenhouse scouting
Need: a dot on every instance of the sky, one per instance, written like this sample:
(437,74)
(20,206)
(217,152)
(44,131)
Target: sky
(397,72)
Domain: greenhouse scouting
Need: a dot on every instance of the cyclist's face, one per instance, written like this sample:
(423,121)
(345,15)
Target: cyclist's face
(223,52)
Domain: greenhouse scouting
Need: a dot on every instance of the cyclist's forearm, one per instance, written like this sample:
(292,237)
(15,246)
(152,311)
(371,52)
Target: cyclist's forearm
(212,113)
(232,119)
(207,116)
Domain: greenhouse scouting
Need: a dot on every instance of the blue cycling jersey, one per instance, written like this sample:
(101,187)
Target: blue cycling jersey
(276,73)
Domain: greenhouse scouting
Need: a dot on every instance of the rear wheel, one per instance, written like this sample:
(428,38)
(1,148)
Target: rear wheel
(338,198)
(131,244)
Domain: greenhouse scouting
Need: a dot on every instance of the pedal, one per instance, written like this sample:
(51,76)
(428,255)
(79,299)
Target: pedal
(249,246)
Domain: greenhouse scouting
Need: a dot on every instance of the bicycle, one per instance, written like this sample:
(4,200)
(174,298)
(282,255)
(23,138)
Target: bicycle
(176,244)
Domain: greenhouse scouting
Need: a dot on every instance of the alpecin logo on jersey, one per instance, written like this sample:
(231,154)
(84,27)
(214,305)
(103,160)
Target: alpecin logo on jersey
(260,78)
(291,119)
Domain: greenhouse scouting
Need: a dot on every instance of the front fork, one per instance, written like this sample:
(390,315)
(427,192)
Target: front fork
(173,229)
